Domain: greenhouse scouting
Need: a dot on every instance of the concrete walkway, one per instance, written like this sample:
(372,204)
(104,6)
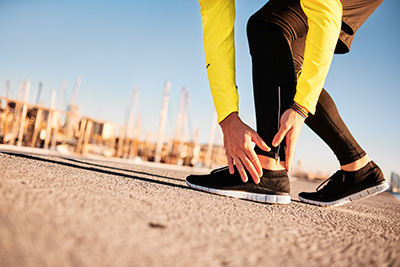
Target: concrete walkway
(57,211)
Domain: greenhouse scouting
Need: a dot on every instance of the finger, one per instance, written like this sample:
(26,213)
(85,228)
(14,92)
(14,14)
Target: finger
(289,154)
(230,165)
(249,164)
(260,142)
(252,169)
(279,136)
(241,169)
(288,162)
(254,162)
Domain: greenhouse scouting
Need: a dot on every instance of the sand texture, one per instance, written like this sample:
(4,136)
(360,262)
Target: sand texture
(57,211)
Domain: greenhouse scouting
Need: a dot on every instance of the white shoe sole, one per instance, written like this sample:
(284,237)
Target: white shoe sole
(356,196)
(264,198)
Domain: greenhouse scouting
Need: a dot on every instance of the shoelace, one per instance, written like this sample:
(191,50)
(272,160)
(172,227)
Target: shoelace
(337,177)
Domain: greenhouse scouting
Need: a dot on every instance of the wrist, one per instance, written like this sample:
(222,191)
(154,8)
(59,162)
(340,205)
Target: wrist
(231,117)
(231,121)
(302,111)
(301,106)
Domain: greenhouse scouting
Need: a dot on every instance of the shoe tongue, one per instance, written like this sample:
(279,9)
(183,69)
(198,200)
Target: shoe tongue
(338,177)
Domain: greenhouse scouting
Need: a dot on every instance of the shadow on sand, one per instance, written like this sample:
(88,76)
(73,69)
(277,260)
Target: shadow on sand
(102,169)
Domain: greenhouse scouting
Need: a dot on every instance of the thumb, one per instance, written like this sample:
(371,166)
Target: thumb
(259,142)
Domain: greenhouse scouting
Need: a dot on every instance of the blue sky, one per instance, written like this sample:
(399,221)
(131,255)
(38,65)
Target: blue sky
(118,45)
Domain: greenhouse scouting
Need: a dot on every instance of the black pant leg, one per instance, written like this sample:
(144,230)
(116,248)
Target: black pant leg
(274,80)
(328,124)
(277,34)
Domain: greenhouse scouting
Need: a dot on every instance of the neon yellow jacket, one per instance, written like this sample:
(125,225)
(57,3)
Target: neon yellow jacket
(218,18)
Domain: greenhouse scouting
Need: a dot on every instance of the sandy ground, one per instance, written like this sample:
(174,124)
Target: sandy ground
(57,211)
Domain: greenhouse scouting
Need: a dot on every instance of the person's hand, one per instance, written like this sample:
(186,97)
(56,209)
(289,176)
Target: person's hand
(291,123)
(238,138)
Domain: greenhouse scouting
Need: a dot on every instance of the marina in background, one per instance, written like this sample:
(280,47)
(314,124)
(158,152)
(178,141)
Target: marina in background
(68,132)
(394,183)
(34,125)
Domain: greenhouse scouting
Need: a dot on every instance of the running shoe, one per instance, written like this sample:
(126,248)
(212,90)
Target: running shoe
(343,187)
(273,188)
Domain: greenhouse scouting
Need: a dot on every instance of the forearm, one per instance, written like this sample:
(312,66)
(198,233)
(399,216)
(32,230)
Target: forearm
(324,22)
(218,18)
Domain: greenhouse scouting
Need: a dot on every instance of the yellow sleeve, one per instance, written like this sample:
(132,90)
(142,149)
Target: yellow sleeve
(324,22)
(218,19)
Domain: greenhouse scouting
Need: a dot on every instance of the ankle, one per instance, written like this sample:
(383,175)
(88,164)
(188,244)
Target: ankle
(271,164)
(356,165)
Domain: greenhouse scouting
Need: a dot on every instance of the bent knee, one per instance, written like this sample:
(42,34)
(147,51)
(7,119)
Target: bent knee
(257,27)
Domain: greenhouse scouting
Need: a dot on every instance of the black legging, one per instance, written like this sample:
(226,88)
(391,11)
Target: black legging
(276,35)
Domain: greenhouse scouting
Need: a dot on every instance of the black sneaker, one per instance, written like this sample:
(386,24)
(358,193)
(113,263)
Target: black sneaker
(343,187)
(274,186)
